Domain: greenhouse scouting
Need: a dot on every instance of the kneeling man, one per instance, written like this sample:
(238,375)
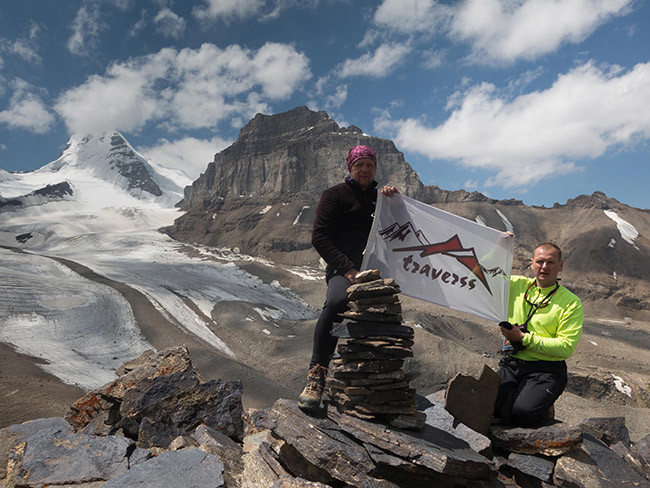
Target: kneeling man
(546,326)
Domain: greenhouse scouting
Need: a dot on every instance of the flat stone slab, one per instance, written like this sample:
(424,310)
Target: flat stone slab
(370,316)
(471,401)
(534,466)
(347,330)
(610,430)
(373,289)
(368,275)
(187,467)
(594,464)
(16,434)
(359,366)
(553,439)
(80,458)
(437,416)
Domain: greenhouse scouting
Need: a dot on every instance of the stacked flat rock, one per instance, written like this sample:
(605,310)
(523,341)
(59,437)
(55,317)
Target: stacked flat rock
(366,378)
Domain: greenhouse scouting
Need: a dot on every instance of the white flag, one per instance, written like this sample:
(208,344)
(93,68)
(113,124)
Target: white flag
(440,257)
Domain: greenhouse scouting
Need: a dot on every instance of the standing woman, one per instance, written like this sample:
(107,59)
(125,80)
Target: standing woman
(343,221)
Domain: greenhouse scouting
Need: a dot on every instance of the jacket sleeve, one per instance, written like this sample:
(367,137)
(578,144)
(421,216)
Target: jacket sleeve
(328,218)
(566,338)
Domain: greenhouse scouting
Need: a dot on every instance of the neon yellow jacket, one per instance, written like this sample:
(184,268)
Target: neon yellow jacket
(554,330)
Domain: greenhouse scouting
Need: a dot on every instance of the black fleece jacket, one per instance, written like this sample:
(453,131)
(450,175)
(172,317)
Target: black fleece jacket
(342,225)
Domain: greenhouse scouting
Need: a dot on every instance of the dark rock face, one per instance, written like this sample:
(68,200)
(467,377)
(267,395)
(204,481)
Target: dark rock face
(260,195)
(128,165)
(49,193)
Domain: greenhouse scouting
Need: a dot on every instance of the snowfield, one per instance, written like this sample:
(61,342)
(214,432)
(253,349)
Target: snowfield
(85,330)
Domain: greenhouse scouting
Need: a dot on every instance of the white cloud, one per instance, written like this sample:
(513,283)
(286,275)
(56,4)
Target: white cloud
(139,25)
(380,63)
(26,110)
(505,31)
(190,88)
(410,16)
(536,135)
(22,48)
(189,155)
(85,29)
(169,24)
(500,30)
(226,9)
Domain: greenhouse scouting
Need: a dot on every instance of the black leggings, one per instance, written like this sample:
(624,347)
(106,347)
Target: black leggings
(336,301)
(528,389)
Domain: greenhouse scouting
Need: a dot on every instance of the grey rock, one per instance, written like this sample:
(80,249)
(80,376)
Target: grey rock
(632,458)
(216,404)
(552,439)
(14,435)
(368,275)
(189,468)
(103,401)
(371,329)
(534,466)
(371,316)
(471,401)
(595,465)
(373,289)
(609,430)
(437,416)
(54,458)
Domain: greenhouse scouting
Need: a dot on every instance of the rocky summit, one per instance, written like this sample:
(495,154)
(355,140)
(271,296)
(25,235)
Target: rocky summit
(160,424)
(260,195)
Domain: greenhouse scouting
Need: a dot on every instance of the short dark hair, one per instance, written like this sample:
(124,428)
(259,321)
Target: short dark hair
(547,245)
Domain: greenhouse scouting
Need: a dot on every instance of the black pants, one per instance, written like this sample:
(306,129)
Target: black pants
(336,301)
(528,389)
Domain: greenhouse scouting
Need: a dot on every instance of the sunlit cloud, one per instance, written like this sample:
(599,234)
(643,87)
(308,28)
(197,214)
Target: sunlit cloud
(537,135)
(190,88)
(380,63)
(26,109)
(169,24)
(500,31)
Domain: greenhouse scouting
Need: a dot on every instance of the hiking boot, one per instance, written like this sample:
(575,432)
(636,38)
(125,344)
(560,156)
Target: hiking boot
(309,399)
(550,413)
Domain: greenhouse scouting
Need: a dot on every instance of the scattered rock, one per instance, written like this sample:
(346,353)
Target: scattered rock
(594,464)
(552,439)
(609,430)
(471,401)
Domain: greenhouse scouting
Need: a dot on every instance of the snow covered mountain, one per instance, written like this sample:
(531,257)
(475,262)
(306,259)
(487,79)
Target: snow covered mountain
(80,246)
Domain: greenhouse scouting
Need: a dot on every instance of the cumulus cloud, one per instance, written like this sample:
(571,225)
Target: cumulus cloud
(26,110)
(501,31)
(190,88)
(410,16)
(541,134)
(169,24)
(227,9)
(189,155)
(507,31)
(380,63)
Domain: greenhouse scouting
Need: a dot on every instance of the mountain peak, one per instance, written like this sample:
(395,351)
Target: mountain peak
(110,157)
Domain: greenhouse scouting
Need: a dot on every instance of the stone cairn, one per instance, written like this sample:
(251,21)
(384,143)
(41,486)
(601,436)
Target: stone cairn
(366,378)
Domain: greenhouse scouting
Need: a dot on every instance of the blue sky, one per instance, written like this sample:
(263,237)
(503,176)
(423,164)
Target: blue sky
(538,100)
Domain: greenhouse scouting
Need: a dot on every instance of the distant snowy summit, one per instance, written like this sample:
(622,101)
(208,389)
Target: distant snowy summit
(94,169)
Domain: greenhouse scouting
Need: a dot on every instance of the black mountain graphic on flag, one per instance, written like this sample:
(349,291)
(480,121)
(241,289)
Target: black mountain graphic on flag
(452,248)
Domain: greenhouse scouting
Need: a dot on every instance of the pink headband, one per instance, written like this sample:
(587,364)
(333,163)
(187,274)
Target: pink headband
(360,152)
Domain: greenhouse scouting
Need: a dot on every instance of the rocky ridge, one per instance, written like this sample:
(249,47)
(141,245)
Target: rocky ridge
(152,426)
(260,195)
